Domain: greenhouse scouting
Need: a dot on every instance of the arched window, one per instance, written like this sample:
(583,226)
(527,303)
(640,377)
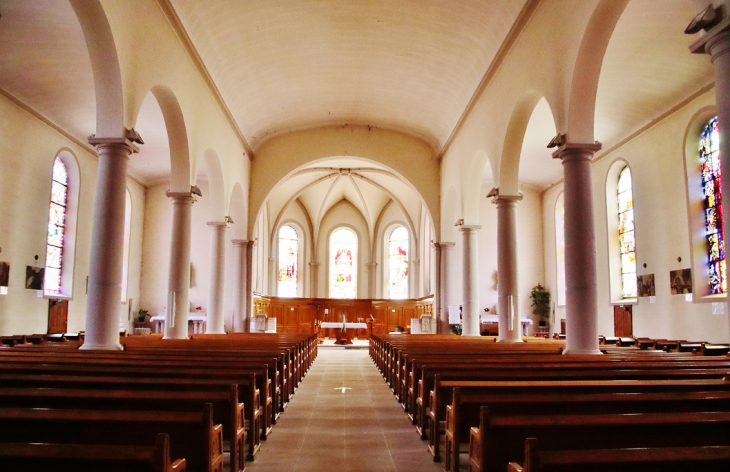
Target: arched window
(712,195)
(627,243)
(343,264)
(288,255)
(398,263)
(56,229)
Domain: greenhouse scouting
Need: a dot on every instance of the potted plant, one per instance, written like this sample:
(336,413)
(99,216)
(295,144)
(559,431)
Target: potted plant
(142,317)
(540,304)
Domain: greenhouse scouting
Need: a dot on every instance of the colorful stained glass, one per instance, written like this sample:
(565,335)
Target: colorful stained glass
(712,190)
(398,260)
(626,235)
(288,254)
(343,264)
(56,229)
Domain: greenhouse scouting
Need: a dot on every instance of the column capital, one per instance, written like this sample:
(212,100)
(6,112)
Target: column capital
(99,143)
(217,224)
(183,197)
(371,264)
(443,245)
(577,150)
(241,241)
(468,228)
(508,199)
(314,264)
(713,36)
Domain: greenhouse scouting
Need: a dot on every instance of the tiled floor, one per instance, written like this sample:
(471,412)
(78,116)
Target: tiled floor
(363,429)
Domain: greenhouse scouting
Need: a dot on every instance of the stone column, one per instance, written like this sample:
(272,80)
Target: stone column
(442,285)
(371,266)
(178,303)
(107,242)
(239,284)
(214,323)
(314,274)
(273,288)
(508,304)
(716,43)
(248,293)
(470,304)
(581,306)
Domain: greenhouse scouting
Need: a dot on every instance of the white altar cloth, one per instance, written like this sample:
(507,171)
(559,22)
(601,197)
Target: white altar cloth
(334,324)
(195,317)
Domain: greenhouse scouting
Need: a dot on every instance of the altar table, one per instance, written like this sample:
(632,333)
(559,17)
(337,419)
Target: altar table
(196,318)
(343,331)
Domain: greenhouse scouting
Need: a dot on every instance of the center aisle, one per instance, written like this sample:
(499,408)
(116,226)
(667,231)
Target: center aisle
(363,429)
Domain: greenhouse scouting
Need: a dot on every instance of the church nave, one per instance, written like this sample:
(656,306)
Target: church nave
(363,429)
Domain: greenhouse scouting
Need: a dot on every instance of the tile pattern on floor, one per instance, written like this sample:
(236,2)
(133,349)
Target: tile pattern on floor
(363,429)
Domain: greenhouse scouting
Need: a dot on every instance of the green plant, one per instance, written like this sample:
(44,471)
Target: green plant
(142,315)
(540,302)
(456,329)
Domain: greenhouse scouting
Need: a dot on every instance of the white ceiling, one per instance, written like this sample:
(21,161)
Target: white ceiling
(410,65)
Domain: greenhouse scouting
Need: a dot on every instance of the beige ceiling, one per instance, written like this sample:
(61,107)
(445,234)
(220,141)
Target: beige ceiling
(410,65)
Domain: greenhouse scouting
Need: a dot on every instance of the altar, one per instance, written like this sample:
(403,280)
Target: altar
(344,332)
(489,325)
(195,318)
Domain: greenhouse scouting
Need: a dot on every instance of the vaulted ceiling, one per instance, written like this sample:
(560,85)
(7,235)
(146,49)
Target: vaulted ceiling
(409,65)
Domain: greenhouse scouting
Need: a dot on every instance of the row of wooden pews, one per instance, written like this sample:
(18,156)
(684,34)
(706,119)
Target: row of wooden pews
(485,397)
(650,345)
(209,393)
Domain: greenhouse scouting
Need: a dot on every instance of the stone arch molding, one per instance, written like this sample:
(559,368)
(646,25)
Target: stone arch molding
(216,186)
(177,135)
(407,157)
(509,167)
(105,67)
(587,70)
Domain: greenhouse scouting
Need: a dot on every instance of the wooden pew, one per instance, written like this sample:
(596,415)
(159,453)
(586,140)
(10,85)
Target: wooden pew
(500,439)
(192,434)
(666,459)
(437,384)
(163,366)
(226,409)
(250,396)
(91,457)
(463,412)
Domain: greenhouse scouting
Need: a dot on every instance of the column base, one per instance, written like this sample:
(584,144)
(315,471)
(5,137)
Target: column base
(101,347)
(587,352)
(519,340)
(174,337)
(216,332)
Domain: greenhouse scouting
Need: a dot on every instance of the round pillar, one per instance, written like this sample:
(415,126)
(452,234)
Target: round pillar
(470,305)
(107,241)
(214,323)
(178,303)
(508,306)
(581,307)
(442,284)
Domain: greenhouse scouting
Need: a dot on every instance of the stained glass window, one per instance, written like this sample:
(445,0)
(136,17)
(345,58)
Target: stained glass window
(626,234)
(398,260)
(712,193)
(343,264)
(288,253)
(56,229)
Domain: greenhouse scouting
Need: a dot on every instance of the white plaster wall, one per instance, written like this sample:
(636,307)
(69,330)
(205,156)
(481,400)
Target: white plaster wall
(27,149)
(136,235)
(156,250)
(656,157)
(529,247)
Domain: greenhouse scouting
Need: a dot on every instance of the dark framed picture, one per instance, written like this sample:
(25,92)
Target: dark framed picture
(34,277)
(646,285)
(4,274)
(680,281)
